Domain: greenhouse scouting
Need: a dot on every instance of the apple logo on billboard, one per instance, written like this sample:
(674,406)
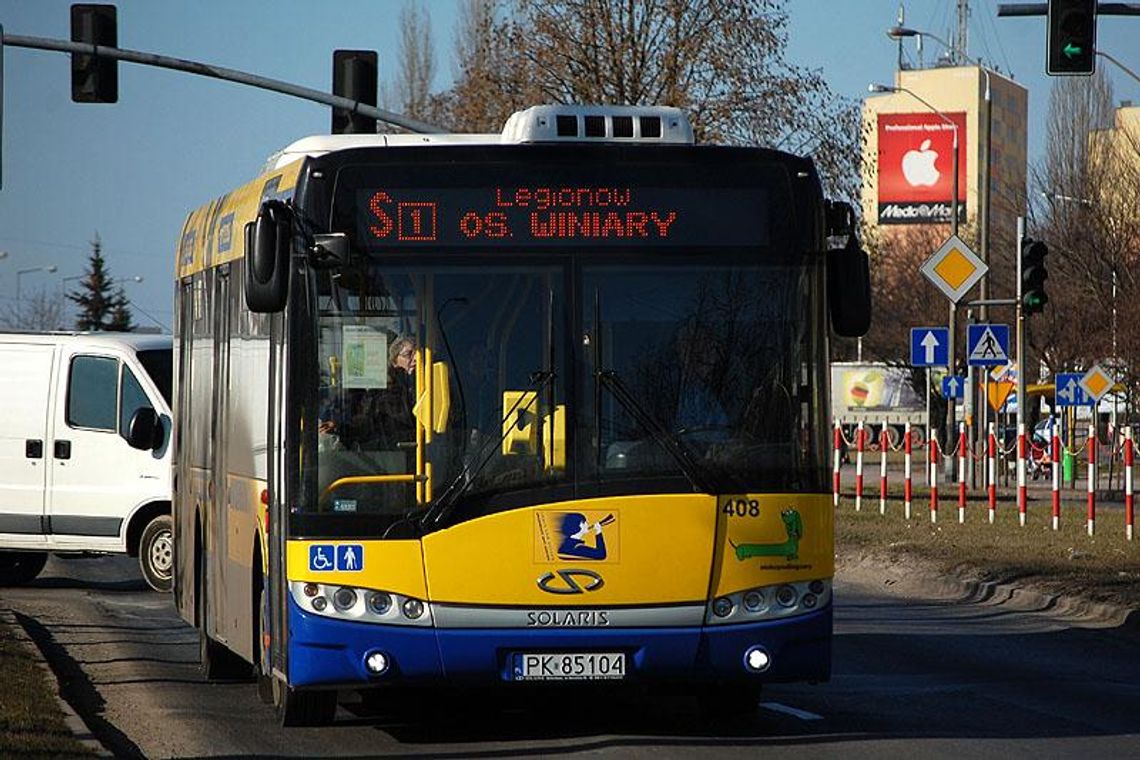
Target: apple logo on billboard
(918,166)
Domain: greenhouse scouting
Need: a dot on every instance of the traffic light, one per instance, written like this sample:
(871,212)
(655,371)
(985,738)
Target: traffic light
(1072,38)
(1033,276)
(354,76)
(94,79)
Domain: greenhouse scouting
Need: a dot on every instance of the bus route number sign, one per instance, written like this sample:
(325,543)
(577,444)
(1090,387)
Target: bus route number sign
(550,215)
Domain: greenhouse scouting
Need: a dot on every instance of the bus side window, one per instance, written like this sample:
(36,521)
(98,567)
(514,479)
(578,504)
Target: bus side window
(92,393)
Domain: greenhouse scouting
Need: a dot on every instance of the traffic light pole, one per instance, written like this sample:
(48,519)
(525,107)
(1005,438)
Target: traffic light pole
(218,72)
(1020,329)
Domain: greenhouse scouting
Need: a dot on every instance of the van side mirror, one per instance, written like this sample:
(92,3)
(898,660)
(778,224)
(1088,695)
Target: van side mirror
(145,432)
(849,289)
(268,241)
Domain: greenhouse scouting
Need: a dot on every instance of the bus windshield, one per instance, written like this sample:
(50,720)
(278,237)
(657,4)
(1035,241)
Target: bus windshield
(713,356)
(669,376)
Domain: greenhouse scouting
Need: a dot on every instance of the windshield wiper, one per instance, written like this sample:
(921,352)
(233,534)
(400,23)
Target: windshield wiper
(694,471)
(445,504)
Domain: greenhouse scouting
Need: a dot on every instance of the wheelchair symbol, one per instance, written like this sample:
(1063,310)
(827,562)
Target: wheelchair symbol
(321,557)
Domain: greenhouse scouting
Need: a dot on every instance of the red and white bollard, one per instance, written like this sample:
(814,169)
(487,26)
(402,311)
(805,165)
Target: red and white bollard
(1128,454)
(884,446)
(1055,466)
(860,437)
(1022,495)
(961,472)
(907,492)
(1092,477)
(991,470)
(933,479)
(838,441)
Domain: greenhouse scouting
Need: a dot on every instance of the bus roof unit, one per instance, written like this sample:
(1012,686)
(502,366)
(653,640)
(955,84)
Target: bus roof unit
(633,124)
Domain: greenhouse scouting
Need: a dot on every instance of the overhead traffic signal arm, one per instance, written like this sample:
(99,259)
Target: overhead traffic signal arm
(1033,276)
(1071,44)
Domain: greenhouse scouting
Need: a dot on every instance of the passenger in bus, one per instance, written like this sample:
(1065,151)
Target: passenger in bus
(378,419)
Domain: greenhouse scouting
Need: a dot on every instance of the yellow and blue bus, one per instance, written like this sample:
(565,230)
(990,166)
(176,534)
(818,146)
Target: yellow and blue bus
(549,405)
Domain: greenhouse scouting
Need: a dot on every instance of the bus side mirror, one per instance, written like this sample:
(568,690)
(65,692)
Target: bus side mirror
(849,289)
(267,245)
(145,432)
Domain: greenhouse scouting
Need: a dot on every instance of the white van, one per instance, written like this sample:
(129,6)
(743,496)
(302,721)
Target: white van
(85,428)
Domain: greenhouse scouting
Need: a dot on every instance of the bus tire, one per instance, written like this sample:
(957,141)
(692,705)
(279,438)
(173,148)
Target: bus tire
(156,553)
(18,568)
(264,670)
(302,708)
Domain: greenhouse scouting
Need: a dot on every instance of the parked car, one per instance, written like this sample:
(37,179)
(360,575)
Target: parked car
(85,450)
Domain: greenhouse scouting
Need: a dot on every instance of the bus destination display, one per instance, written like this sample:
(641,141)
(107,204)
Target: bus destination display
(546,215)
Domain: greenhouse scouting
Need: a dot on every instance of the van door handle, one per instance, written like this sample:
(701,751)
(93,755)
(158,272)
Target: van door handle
(34,448)
(63,449)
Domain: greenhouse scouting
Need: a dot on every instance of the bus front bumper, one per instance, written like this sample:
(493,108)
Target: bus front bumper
(336,653)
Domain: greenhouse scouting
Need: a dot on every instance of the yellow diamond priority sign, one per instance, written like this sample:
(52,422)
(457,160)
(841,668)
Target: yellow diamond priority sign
(1096,382)
(954,268)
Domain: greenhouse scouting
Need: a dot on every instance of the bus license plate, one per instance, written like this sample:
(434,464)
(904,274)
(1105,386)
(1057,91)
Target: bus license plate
(568,666)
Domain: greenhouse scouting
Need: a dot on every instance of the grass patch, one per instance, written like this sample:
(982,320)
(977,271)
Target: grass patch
(31,724)
(1104,567)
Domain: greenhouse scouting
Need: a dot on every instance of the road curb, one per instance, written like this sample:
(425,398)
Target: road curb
(75,724)
(1027,597)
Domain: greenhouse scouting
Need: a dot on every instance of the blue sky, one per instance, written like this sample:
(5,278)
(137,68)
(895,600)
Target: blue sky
(131,171)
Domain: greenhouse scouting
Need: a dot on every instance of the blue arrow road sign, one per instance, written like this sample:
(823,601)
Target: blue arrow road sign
(953,386)
(1068,391)
(929,346)
(987,345)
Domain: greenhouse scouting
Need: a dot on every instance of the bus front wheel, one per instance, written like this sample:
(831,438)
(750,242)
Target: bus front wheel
(302,708)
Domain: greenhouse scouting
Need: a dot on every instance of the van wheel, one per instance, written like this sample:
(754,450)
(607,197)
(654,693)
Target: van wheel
(18,568)
(302,708)
(156,553)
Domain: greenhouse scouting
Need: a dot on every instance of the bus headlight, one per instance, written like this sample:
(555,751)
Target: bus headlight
(360,605)
(757,659)
(376,663)
(774,602)
(344,599)
(787,596)
(722,606)
(379,603)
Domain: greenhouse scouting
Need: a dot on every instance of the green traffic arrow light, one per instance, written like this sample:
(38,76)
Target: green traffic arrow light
(1072,51)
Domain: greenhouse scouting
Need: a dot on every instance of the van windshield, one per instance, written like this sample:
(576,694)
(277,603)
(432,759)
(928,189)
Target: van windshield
(159,365)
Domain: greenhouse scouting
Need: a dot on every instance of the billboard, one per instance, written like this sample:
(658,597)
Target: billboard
(916,159)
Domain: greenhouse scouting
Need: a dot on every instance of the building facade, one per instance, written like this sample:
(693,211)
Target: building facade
(908,156)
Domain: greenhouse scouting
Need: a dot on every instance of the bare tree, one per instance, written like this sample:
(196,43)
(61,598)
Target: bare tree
(410,93)
(42,312)
(722,61)
(1088,212)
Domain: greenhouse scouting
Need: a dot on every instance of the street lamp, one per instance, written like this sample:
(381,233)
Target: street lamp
(950,412)
(148,315)
(21,272)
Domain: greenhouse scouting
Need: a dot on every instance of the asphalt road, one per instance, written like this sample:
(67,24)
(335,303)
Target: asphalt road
(920,669)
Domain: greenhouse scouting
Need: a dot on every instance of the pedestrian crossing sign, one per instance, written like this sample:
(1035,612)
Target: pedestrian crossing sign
(987,345)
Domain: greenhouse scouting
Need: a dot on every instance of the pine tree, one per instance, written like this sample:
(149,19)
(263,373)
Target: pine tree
(99,308)
(120,314)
